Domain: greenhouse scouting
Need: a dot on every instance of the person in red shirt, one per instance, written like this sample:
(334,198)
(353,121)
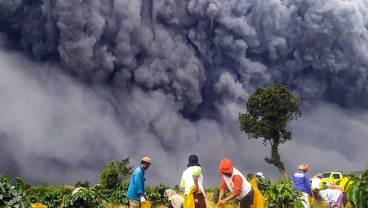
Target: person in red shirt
(234,180)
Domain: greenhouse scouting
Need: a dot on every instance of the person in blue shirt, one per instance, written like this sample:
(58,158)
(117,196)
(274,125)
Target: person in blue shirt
(301,182)
(136,192)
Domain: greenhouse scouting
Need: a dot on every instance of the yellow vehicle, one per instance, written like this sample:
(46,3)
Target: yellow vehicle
(330,178)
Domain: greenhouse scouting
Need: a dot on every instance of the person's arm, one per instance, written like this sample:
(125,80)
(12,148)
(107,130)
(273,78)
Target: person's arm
(139,181)
(223,189)
(238,181)
(195,179)
(182,182)
(195,176)
(307,185)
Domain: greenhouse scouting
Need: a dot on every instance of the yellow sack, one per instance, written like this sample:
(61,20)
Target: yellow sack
(189,199)
(146,204)
(38,205)
(259,200)
(311,199)
(225,206)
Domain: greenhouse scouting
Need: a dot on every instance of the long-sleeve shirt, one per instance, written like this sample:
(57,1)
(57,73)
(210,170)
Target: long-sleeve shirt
(136,186)
(301,182)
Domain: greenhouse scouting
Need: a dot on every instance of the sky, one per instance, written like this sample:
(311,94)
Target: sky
(87,82)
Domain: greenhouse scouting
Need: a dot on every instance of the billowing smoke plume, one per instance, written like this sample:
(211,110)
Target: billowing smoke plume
(168,78)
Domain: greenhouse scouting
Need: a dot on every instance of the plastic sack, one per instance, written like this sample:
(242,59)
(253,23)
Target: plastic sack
(226,206)
(146,204)
(38,205)
(258,200)
(189,199)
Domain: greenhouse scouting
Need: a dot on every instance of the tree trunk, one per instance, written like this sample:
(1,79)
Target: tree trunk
(276,160)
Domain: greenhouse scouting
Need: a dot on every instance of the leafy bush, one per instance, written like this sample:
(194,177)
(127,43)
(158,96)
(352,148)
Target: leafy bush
(12,194)
(281,194)
(263,185)
(52,196)
(156,194)
(84,198)
(357,193)
(118,196)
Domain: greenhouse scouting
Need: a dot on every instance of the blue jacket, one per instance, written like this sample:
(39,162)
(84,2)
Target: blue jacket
(301,182)
(136,185)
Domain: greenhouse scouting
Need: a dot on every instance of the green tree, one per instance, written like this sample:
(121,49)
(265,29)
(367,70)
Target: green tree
(109,178)
(123,169)
(268,111)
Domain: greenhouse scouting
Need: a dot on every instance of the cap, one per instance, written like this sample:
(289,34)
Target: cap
(260,174)
(319,175)
(147,159)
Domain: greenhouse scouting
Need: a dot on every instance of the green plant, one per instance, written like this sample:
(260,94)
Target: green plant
(124,171)
(263,184)
(84,198)
(12,194)
(52,196)
(109,178)
(357,193)
(118,196)
(156,194)
(282,195)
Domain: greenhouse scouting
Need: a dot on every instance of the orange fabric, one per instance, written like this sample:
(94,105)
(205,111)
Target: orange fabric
(238,181)
(226,166)
(223,185)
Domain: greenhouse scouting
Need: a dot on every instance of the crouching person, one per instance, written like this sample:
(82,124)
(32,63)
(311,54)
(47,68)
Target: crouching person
(235,181)
(174,199)
(332,197)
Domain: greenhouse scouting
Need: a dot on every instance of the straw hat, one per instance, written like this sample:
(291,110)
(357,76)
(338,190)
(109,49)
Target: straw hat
(303,167)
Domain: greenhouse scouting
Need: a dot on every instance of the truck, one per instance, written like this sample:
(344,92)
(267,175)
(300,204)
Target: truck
(331,178)
(338,178)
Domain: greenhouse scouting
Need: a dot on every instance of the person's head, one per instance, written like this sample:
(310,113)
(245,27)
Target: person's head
(317,195)
(303,167)
(259,175)
(226,167)
(319,175)
(146,162)
(193,161)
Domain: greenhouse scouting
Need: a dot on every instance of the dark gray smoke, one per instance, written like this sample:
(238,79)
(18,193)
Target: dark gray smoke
(105,79)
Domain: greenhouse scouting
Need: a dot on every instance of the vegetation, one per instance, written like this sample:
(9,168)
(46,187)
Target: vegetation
(268,111)
(282,195)
(357,193)
(52,196)
(109,178)
(12,193)
(115,173)
(263,185)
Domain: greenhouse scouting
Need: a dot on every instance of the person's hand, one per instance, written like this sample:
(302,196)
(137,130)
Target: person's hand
(222,202)
(143,200)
